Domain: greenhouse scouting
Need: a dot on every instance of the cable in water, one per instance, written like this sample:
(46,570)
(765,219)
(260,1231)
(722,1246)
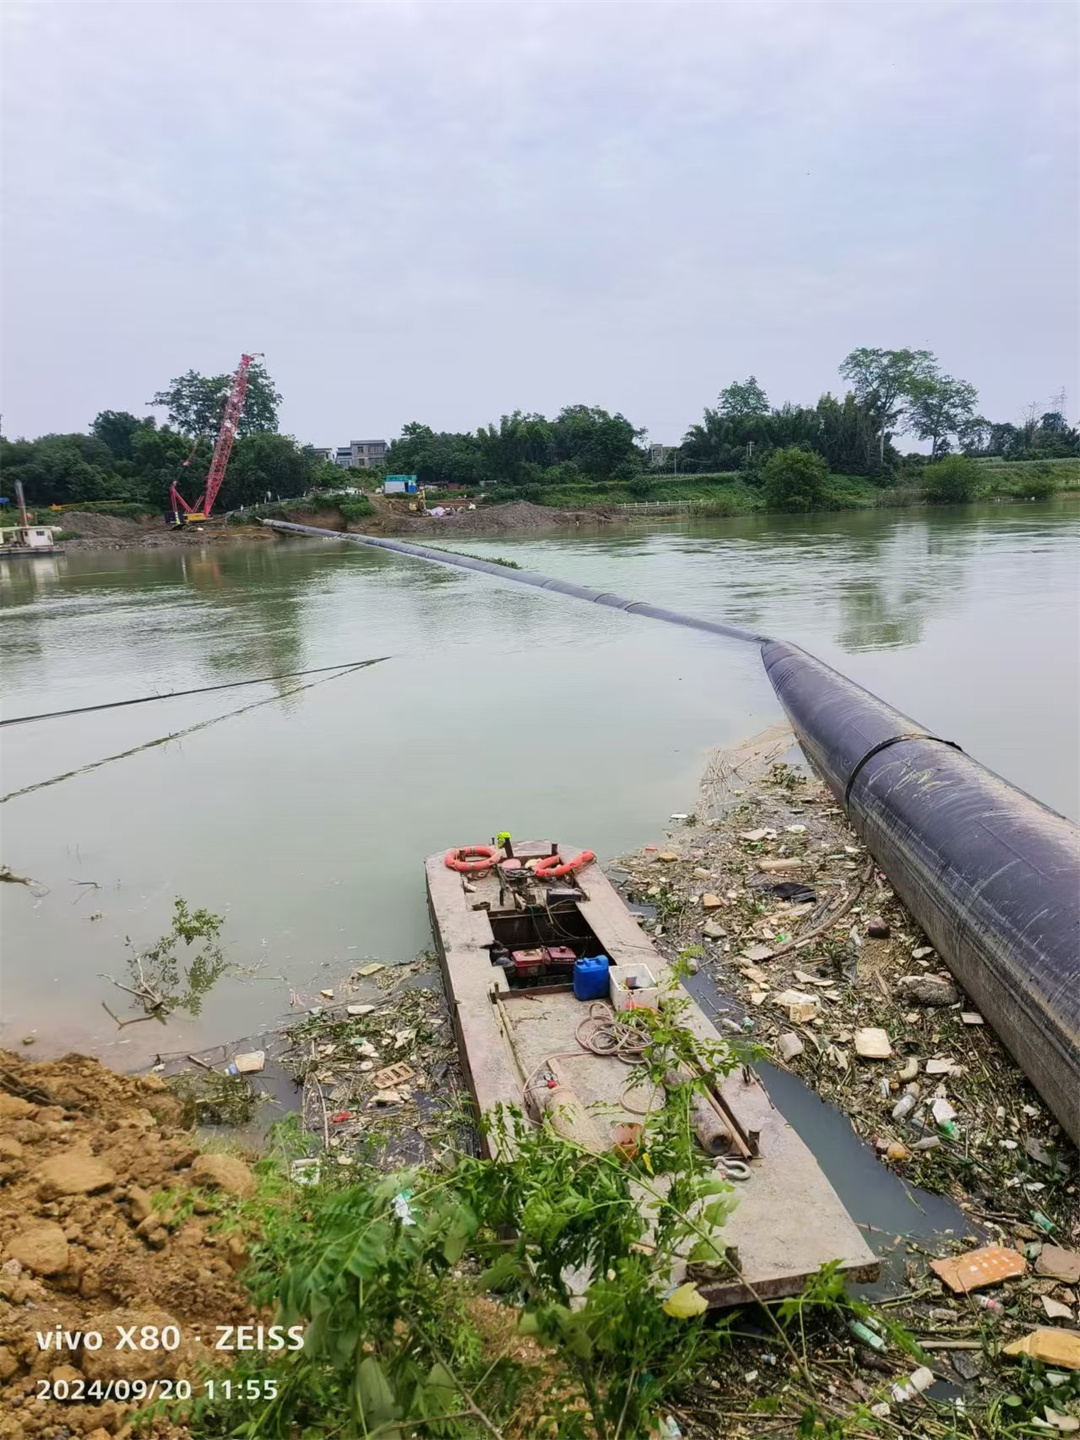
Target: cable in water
(198,690)
(179,734)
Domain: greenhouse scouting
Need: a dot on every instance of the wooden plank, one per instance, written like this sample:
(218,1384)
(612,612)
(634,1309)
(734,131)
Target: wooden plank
(789,1220)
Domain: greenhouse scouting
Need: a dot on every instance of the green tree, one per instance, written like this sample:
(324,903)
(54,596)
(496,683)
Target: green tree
(261,463)
(196,403)
(518,441)
(446,457)
(883,380)
(940,406)
(951,481)
(743,398)
(599,443)
(61,469)
(794,479)
(115,428)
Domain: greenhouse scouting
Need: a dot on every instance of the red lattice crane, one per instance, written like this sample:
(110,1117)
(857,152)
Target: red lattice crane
(184,513)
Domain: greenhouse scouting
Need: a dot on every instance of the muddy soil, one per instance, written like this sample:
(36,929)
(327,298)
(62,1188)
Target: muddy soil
(109,1217)
(517,518)
(91,531)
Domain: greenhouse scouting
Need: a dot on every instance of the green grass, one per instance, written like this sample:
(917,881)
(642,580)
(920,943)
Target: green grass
(469,555)
(724,495)
(118,509)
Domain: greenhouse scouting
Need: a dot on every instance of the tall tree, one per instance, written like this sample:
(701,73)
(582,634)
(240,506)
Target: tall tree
(883,380)
(116,429)
(602,445)
(195,403)
(940,406)
(742,398)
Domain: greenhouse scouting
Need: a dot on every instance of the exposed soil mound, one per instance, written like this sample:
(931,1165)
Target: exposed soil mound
(107,1220)
(89,525)
(93,531)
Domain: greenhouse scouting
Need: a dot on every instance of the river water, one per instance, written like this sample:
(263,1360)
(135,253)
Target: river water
(304,822)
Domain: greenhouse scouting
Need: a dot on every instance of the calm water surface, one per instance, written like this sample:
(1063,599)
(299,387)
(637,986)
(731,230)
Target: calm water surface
(305,821)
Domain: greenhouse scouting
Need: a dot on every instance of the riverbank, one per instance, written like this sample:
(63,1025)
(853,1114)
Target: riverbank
(501,511)
(152,1235)
(87,530)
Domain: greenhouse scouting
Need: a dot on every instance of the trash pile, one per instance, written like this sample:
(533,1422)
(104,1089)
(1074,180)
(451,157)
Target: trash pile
(778,912)
(779,905)
(380,1078)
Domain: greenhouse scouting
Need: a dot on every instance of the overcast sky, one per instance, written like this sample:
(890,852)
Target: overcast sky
(443,212)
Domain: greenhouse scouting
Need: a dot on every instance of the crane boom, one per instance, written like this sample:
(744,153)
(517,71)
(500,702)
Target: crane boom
(230,424)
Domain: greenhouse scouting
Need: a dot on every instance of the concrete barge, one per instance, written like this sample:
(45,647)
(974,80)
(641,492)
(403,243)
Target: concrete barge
(516,1016)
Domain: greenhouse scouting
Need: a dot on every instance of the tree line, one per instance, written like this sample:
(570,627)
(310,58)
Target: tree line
(131,459)
(892,393)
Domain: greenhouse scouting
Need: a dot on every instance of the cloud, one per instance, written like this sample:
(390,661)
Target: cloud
(444,211)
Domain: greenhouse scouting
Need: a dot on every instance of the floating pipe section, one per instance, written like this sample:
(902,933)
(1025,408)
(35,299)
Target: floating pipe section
(522,577)
(990,874)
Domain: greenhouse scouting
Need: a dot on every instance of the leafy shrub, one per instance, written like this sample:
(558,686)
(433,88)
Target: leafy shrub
(794,479)
(1038,483)
(355,507)
(952,481)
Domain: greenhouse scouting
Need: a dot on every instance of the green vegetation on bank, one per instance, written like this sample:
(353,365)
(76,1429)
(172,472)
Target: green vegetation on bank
(726,495)
(583,456)
(529,1296)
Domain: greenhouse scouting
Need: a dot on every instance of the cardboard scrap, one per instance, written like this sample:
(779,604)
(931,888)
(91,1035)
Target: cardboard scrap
(1060,1264)
(758,952)
(872,1044)
(799,1006)
(1059,1348)
(790,1045)
(940,1066)
(395,1074)
(373,969)
(250,1063)
(987,1266)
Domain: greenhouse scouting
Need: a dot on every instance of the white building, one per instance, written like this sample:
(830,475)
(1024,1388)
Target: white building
(361,454)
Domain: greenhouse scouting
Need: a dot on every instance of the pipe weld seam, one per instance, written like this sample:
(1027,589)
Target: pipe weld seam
(884,745)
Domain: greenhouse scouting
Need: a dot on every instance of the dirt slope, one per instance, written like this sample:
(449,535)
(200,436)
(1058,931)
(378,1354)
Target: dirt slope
(89,1240)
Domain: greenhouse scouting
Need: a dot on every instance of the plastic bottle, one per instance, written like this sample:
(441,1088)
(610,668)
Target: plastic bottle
(860,1331)
(987,1302)
(904,1106)
(918,1381)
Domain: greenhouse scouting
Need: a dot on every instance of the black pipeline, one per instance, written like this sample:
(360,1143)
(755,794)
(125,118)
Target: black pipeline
(991,875)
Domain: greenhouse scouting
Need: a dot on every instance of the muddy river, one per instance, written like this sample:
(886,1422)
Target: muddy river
(304,821)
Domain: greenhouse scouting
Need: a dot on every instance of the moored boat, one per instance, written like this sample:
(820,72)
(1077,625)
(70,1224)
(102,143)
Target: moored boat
(540,958)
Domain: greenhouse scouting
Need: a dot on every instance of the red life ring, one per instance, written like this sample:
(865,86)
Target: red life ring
(552,868)
(462,858)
